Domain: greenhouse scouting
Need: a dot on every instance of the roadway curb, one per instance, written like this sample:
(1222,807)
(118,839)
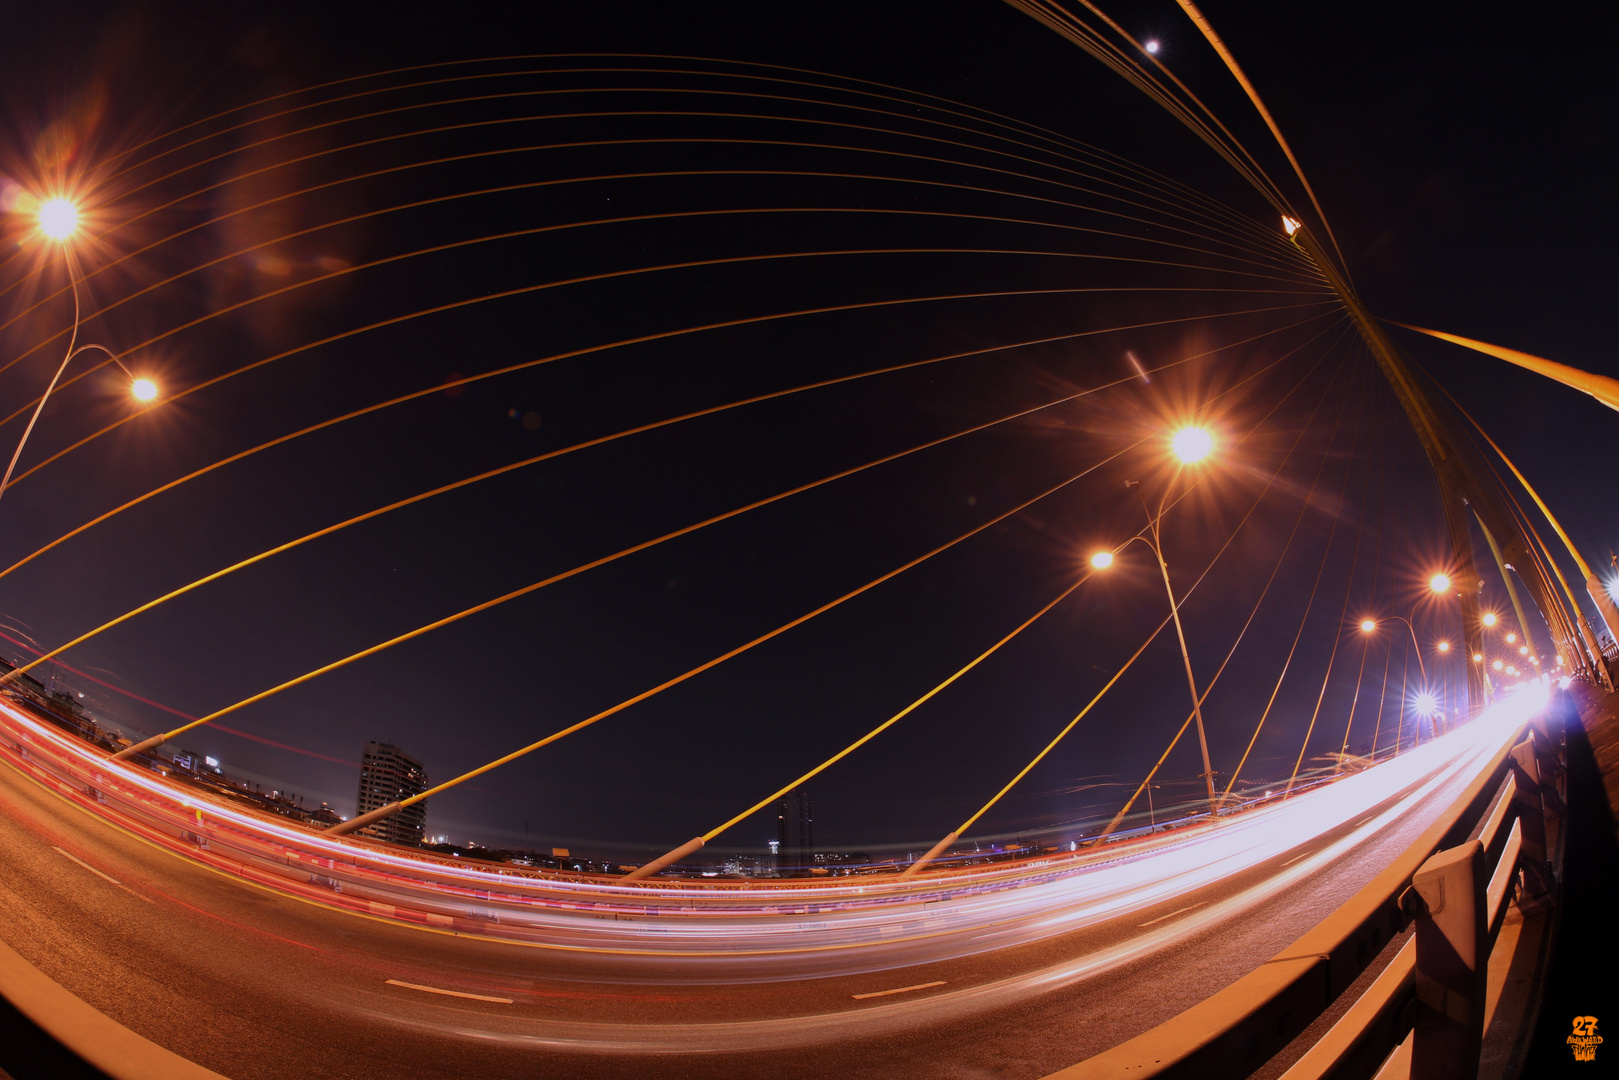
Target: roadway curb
(86,1033)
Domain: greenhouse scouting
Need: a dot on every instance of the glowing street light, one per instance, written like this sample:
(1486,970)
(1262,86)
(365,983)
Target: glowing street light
(1523,650)
(1444,646)
(143,389)
(1511,638)
(1367,626)
(1439,583)
(58,218)
(1489,618)
(1498,665)
(1192,444)
(1478,658)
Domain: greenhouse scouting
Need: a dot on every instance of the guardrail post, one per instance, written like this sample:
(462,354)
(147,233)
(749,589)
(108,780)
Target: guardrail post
(1530,797)
(1446,899)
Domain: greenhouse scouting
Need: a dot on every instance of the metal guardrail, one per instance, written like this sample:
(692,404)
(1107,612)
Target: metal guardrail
(1433,992)
(1423,1015)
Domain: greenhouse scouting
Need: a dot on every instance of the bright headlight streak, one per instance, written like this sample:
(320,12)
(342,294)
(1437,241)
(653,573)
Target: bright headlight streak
(987,907)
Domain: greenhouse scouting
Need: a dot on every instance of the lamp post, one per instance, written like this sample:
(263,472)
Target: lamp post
(1367,626)
(58,220)
(1190,445)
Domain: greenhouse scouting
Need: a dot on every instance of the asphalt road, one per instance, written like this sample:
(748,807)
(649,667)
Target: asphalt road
(255,983)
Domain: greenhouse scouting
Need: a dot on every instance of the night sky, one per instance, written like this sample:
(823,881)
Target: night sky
(903,164)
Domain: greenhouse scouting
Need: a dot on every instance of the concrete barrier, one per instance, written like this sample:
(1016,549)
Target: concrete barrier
(83,1035)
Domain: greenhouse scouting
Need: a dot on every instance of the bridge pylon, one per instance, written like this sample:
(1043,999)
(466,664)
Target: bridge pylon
(1460,486)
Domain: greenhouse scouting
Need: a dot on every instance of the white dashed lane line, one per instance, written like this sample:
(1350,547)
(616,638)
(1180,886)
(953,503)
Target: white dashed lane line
(897,990)
(99,874)
(448,993)
(1172,914)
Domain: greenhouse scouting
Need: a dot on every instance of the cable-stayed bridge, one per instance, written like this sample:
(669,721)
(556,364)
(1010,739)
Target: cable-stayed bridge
(659,439)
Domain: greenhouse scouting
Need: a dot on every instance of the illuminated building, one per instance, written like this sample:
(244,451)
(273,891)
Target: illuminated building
(795,833)
(388,775)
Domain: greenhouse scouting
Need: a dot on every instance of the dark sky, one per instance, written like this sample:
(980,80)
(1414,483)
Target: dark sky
(1463,162)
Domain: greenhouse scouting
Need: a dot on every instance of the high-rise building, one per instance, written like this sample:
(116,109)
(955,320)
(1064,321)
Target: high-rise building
(795,833)
(388,775)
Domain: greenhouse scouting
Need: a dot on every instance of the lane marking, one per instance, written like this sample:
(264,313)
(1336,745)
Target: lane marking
(1295,859)
(898,990)
(448,993)
(87,866)
(101,875)
(1172,914)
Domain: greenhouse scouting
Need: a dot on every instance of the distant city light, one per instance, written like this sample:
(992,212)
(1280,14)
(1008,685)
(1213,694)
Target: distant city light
(1102,560)
(1192,444)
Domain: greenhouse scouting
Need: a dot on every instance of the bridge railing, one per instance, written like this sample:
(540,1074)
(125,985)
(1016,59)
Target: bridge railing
(1427,1006)
(1423,1014)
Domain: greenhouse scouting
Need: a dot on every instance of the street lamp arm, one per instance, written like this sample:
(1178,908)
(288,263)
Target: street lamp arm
(1415,645)
(87,346)
(73,340)
(73,350)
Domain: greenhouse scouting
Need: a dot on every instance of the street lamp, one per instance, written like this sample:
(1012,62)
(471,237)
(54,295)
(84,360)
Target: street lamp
(58,219)
(1489,618)
(1190,445)
(1438,583)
